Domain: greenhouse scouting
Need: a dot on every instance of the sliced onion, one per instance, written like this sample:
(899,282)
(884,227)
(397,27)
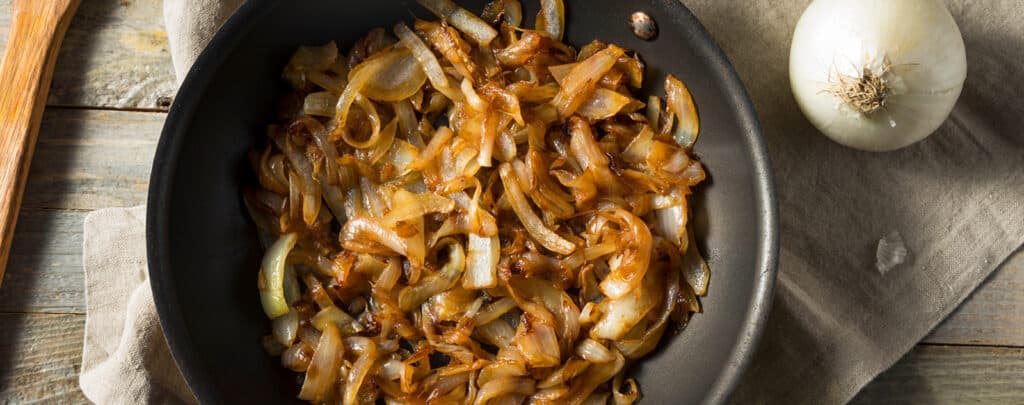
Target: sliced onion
(285,327)
(383,144)
(320,104)
(581,82)
(360,229)
(392,73)
(557,303)
(497,333)
(597,374)
(398,80)
(412,296)
(504,386)
(494,310)
(536,340)
(272,274)
(551,18)
(334,315)
(502,100)
(680,102)
(653,112)
(367,351)
(431,67)
(482,262)
(309,59)
(450,44)
(323,370)
(619,315)
(638,148)
(409,206)
(632,264)
(632,392)
(531,222)
(559,72)
(521,51)
(695,269)
(633,69)
(644,337)
(437,143)
(603,104)
(594,352)
(467,22)
(310,191)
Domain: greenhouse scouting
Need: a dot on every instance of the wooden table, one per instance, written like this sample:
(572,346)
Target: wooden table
(111,90)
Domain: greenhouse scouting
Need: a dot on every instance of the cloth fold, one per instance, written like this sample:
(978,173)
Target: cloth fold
(125,359)
(955,199)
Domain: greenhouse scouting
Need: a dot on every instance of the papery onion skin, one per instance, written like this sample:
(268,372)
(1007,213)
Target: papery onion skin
(914,47)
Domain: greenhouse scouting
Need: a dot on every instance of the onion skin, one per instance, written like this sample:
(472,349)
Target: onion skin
(913,46)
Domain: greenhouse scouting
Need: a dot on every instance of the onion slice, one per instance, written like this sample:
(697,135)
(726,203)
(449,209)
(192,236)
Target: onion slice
(427,61)
(482,262)
(680,102)
(551,18)
(272,274)
(467,22)
(581,82)
(530,221)
(323,370)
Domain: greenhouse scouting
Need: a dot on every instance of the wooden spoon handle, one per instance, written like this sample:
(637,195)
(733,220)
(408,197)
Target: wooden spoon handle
(37,28)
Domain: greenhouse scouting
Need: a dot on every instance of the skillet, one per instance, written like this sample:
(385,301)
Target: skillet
(204,253)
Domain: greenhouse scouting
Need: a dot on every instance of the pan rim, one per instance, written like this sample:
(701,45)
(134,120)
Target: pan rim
(220,47)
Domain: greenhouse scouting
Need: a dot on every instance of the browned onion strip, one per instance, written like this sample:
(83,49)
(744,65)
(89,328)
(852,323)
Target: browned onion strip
(530,221)
(427,60)
(579,84)
(570,255)
(551,18)
(467,22)
(632,264)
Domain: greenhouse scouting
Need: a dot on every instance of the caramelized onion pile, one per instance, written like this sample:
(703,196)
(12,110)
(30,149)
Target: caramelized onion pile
(468,211)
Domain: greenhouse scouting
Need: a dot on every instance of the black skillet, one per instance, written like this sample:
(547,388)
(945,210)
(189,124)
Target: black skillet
(203,251)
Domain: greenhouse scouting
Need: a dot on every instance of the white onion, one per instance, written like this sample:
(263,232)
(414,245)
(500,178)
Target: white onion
(911,51)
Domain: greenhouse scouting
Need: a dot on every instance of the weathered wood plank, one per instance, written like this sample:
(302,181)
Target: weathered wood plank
(41,357)
(88,159)
(115,55)
(951,375)
(45,270)
(993,315)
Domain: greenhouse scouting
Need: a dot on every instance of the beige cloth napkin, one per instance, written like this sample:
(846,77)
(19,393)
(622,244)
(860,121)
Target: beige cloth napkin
(837,321)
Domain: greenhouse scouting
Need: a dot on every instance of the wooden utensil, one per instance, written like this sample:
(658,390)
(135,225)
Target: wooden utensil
(37,28)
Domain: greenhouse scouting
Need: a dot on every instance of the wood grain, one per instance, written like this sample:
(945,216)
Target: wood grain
(951,375)
(37,30)
(993,315)
(41,357)
(88,159)
(45,270)
(115,56)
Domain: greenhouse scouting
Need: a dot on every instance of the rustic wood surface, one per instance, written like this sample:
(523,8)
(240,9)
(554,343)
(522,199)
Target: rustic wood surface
(95,148)
(37,30)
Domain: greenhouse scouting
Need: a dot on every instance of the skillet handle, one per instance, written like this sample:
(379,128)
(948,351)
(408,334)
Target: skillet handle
(37,28)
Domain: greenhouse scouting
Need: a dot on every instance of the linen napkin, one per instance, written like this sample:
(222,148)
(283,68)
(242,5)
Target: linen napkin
(837,321)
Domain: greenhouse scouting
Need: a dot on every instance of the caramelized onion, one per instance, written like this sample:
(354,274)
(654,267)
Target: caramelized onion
(507,223)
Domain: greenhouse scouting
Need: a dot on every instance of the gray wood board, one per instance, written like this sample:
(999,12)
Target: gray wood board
(115,54)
